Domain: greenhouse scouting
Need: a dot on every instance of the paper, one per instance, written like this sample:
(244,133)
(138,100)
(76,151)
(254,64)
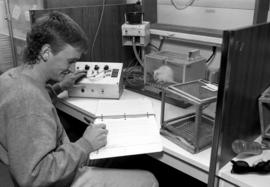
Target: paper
(121,107)
(130,135)
(16,12)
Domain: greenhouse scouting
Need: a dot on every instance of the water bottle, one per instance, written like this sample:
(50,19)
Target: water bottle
(245,147)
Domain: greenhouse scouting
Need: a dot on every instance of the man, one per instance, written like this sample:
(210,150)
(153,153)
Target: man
(33,142)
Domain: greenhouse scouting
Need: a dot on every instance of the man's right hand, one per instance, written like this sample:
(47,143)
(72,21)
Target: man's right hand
(96,135)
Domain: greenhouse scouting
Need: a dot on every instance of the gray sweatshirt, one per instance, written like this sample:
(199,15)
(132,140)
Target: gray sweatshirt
(33,142)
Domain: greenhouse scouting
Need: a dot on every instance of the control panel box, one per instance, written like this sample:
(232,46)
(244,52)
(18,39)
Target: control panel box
(103,80)
(137,33)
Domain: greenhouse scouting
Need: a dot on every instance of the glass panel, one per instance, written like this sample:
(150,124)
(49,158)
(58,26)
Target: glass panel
(210,14)
(5,49)
(20,18)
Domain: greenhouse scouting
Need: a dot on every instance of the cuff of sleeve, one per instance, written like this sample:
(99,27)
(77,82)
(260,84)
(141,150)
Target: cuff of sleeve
(57,89)
(85,145)
(86,148)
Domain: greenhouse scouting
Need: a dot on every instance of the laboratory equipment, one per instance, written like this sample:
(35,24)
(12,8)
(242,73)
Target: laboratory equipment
(192,131)
(136,34)
(103,80)
(246,147)
(264,112)
(165,68)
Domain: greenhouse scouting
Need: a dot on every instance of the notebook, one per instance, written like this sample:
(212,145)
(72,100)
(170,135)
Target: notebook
(132,128)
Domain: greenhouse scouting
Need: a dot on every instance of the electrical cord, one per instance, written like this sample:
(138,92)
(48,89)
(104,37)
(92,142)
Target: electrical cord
(155,47)
(182,7)
(97,31)
(161,43)
(136,52)
(134,76)
(210,59)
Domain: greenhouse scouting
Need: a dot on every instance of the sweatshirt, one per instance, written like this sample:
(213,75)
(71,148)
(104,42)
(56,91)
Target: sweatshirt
(33,142)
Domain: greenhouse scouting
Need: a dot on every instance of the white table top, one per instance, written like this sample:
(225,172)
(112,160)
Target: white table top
(199,161)
(250,179)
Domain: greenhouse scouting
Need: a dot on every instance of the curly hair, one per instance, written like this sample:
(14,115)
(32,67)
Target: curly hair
(56,29)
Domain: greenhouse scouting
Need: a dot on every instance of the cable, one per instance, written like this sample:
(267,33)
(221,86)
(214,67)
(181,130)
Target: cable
(155,47)
(99,23)
(136,52)
(210,59)
(161,43)
(134,76)
(182,7)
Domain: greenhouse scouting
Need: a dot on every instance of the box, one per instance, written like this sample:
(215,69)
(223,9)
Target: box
(103,80)
(140,33)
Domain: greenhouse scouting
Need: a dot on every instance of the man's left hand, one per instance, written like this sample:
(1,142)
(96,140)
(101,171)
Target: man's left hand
(71,78)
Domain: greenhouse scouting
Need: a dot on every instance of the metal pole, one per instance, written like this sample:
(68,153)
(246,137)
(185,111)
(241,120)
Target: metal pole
(10,29)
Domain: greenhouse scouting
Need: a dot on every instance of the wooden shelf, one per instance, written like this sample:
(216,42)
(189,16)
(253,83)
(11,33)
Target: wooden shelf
(209,37)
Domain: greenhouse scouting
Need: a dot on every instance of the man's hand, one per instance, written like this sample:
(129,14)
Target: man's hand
(71,78)
(96,135)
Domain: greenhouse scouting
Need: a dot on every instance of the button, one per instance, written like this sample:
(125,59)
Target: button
(96,67)
(86,67)
(106,67)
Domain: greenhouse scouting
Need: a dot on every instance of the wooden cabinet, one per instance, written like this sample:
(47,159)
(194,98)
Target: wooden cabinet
(244,75)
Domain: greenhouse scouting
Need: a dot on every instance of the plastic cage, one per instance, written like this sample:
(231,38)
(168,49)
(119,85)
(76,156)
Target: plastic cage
(264,112)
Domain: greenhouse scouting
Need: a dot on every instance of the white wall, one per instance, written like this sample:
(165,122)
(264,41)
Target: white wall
(214,14)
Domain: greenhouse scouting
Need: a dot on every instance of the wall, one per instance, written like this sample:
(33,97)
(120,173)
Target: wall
(211,14)
(218,14)
(214,14)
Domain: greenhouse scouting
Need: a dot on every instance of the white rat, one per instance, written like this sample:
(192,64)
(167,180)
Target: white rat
(163,74)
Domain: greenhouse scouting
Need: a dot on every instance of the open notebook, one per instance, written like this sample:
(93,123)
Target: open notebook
(132,128)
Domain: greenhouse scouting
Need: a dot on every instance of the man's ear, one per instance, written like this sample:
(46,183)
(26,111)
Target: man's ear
(45,52)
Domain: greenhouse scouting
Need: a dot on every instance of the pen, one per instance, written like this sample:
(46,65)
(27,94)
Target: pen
(88,121)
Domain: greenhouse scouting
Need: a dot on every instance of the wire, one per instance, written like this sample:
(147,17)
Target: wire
(182,7)
(152,45)
(99,23)
(134,76)
(210,59)
(161,43)
(136,52)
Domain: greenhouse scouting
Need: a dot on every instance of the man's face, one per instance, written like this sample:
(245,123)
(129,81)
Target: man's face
(62,63)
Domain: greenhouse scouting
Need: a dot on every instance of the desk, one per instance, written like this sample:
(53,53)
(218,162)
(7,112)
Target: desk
(247,180)
(195,165)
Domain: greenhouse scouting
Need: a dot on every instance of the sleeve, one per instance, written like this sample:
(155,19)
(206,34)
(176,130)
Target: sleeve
(34,157)
(54,90)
